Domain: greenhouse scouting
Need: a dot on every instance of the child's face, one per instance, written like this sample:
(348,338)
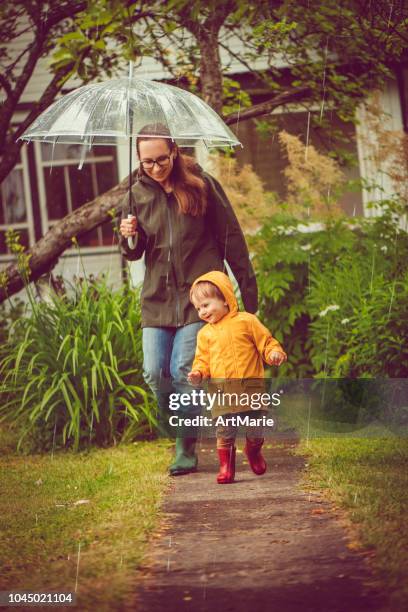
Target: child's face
(210,309)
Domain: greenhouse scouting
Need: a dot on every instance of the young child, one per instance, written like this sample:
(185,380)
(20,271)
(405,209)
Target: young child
(233,345)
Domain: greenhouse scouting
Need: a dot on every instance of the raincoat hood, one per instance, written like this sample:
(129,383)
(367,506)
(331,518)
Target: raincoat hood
(224,284)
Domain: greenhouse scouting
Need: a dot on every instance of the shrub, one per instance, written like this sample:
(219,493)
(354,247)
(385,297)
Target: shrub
(336,297)
(243,187)
(71,370)
(314,180)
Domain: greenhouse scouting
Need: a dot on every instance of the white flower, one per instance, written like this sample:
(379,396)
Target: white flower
(328,308)
(384,248)
(344,321)
(306,247)
(284,231)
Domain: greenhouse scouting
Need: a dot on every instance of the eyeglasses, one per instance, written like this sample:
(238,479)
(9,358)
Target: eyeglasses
(161,161)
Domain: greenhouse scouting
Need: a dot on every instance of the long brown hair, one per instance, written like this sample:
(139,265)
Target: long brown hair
(189,187)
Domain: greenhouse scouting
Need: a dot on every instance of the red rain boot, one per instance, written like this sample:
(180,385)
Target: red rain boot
(253,452)
(227,465)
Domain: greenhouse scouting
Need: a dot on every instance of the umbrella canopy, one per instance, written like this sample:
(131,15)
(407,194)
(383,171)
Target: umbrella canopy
(114,111)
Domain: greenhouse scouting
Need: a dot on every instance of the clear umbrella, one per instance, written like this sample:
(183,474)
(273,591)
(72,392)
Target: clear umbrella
(113,112)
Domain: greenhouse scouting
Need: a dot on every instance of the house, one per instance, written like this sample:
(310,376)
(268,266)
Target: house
(47,184)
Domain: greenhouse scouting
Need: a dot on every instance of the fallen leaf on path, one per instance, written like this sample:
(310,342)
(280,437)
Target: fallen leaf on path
(318,511)
(279,541)
(353,545)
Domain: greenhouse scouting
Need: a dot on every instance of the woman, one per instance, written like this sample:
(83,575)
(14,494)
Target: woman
(185,226)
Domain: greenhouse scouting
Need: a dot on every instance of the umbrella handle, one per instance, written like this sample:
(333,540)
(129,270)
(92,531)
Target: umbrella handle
(131,240)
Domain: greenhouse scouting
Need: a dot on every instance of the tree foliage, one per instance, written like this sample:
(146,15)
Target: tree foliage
(312,51)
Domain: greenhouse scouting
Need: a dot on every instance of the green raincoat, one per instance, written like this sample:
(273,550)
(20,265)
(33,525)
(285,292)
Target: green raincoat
(179,248)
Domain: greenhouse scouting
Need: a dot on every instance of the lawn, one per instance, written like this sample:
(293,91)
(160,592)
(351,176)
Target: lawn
(79,521)
(368,477)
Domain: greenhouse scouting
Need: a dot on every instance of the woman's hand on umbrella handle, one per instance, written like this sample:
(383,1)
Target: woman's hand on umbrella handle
(128,226)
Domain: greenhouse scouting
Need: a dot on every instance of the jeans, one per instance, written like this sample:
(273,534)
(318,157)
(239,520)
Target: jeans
(168,354)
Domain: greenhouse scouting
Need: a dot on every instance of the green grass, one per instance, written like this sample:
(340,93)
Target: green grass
(369,479)
(44,529)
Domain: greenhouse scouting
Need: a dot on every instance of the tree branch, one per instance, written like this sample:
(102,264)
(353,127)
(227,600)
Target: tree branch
(256,73)
(35,50)
(8,71)
(5,85)
(265,108)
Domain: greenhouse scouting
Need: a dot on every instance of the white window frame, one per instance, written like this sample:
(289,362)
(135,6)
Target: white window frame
(46,223)
(29,223)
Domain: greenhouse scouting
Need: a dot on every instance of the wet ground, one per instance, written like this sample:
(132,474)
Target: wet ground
(261,543)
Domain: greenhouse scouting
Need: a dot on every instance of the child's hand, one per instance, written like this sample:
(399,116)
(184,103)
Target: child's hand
(277,358)
(194,377)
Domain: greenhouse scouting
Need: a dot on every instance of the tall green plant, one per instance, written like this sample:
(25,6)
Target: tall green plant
(72,369)
(362,330)
(337,297)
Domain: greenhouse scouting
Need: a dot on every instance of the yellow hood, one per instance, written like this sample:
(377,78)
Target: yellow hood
(224,284)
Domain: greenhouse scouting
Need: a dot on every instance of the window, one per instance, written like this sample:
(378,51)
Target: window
(15,212)
(66,187)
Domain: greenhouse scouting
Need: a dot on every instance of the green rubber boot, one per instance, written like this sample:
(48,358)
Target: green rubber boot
(186,459)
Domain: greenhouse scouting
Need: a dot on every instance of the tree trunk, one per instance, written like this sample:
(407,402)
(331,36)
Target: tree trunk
(210,68)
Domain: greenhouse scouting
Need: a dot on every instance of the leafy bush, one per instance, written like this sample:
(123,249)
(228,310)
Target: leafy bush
(243,187)
(71,370)
(10,312)
(336,297)
(314,180)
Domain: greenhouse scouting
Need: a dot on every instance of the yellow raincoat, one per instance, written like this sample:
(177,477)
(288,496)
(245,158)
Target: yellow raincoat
(231,352)
(236,345)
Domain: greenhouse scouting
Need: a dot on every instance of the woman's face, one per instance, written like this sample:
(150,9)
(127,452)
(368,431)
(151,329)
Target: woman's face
(157,150)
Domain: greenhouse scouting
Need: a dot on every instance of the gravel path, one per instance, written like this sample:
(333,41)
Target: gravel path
(261,543)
